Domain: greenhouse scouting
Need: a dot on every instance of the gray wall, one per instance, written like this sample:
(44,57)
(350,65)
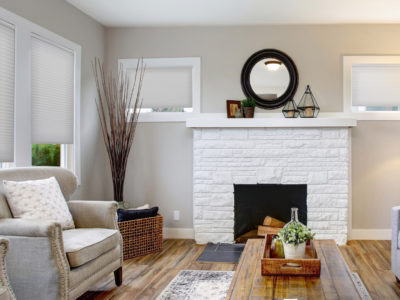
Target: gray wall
(317,51)
(160,168)
(376,172)
(70,23)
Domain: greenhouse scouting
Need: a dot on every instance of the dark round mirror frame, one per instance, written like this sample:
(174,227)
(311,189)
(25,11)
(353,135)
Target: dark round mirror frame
(291,67)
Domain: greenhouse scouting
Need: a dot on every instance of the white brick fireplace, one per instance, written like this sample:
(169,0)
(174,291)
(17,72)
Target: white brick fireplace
(316,152)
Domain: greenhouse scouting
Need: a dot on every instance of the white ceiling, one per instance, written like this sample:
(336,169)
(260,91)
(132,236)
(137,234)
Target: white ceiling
(124,13)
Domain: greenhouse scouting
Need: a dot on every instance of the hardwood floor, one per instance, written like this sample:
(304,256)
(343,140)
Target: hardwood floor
(146,277)
(371,260)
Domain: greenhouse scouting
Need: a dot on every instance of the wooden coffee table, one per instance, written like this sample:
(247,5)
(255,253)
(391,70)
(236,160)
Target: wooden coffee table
(334,282)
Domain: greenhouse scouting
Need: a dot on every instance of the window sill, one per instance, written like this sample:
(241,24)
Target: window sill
(376,115)
(164,117)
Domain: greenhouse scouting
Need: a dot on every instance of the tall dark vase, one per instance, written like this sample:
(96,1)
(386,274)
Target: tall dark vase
(118,188)
(118,172)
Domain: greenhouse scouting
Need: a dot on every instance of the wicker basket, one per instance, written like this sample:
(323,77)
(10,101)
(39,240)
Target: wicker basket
(142,236)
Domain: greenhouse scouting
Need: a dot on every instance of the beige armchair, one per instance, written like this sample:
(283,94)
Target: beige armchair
(45,262)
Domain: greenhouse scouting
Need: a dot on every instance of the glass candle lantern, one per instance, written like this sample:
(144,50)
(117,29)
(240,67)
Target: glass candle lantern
(290,110)
(308,106)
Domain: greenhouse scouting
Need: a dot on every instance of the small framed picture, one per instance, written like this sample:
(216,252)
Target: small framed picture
(232,106)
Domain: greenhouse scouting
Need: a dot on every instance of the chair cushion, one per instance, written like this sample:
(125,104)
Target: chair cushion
(85,244)
(38,199)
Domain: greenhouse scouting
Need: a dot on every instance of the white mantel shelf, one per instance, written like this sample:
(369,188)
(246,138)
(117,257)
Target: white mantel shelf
(223,122)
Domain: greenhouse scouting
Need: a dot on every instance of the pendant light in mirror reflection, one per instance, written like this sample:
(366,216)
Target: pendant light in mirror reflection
(273,65)
(308,106)
(290,109)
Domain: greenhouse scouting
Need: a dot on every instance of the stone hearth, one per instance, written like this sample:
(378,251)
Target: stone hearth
(317,156)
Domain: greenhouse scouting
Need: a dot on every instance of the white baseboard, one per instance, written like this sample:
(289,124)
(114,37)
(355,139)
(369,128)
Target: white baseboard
(371,234)
(178,233)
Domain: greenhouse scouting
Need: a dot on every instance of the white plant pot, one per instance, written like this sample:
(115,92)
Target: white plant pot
(294,252)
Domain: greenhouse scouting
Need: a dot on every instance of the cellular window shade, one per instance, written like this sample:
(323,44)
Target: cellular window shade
(165,87)
(375,85)
(7,78)
(52,93)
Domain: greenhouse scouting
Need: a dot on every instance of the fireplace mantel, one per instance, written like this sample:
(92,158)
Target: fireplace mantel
(220,121)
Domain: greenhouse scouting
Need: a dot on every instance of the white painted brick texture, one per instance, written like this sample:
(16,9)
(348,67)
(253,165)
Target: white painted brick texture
(318,157)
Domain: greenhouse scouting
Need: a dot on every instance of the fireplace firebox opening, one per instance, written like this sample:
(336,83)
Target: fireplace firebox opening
(253,202)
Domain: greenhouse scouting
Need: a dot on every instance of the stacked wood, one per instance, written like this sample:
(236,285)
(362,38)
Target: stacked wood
(264,230)
(252,234)
(272,222)
(271,226)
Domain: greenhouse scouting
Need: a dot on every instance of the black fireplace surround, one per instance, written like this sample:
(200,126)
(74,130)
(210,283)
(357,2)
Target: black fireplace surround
(253,202)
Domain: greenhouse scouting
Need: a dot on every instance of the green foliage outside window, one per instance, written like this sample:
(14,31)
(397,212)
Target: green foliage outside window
(46,155)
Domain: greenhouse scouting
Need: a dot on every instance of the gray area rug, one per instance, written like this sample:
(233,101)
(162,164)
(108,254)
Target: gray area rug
(222,252)
(198,285)
(362,290)
(214,285)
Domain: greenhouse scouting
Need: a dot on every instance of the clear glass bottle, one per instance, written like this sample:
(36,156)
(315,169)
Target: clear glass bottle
(294,218)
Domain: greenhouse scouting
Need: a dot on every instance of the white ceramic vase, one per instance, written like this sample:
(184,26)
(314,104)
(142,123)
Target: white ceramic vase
(294,252)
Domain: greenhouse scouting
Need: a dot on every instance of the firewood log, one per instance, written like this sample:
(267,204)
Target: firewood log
(272,222)
(264,230)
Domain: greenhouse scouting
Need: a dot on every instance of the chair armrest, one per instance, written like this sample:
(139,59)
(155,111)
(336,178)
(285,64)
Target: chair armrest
(395,226)
(7,291)
(94,214)
(36,256)
(26,227)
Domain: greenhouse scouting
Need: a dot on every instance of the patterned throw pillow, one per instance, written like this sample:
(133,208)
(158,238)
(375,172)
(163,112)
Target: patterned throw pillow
(38,199)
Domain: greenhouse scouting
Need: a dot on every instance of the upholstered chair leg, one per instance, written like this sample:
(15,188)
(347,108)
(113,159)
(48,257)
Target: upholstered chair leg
(118,276)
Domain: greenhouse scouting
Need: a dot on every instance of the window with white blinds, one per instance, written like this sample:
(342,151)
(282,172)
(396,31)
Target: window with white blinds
(52,93)
(7,78)
(166,87)
(371,86)
(375,86)
(39,96)
(171,88)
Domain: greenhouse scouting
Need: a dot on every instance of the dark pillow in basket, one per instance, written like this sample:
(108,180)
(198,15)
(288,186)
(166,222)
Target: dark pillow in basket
(134,214)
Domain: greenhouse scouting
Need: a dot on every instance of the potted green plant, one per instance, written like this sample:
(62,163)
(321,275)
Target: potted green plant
(294,237)
(248,106)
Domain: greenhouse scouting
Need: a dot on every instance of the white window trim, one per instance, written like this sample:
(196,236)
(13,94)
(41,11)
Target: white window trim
(348,62)
(193,63)
(24,30)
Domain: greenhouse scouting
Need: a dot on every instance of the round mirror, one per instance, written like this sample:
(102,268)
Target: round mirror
(270,77)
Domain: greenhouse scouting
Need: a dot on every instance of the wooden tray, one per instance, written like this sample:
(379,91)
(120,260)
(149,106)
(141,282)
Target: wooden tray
(309,266)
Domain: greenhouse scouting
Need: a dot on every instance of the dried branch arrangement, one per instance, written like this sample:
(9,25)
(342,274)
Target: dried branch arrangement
(118,106)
